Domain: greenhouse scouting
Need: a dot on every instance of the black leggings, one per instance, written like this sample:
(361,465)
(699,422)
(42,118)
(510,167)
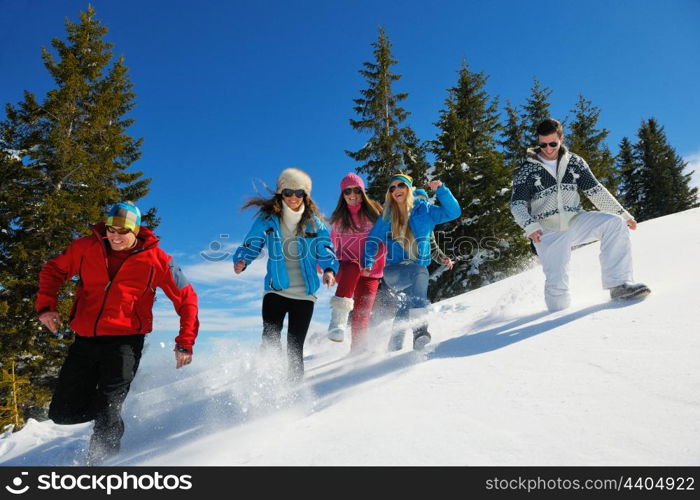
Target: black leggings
(93,384)
(274,309)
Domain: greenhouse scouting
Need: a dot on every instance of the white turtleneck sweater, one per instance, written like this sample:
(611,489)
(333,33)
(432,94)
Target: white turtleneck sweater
(289,220)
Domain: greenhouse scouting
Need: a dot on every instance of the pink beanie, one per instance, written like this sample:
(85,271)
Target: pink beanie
(352,180)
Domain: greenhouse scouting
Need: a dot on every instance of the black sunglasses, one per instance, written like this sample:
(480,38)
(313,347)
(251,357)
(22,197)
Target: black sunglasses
(118,230)
(355,190)
(401,185)
(288,193)
(550,144)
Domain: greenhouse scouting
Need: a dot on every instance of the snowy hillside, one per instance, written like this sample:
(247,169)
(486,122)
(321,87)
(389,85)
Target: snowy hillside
(504,383)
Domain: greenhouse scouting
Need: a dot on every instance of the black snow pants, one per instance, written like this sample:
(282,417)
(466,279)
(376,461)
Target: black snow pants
(275,307)
(93,384)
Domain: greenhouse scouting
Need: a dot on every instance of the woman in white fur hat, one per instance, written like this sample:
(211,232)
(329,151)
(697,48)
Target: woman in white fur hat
(290,226)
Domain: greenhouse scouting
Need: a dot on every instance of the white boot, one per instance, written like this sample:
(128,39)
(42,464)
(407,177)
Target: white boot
(340,309)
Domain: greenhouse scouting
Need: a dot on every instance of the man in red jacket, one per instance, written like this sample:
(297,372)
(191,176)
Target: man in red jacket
(119,267)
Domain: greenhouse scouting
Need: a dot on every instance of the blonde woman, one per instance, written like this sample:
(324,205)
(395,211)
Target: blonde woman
(405,228)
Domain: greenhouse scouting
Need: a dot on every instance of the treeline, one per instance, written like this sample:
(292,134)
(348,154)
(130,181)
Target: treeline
(476,150)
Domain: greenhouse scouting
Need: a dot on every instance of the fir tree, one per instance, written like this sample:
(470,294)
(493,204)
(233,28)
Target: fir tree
(513,143)
(391,147)
(63,161)
(587,141)
(665,187)
(520,131)
(630,186)
(414,160)
(535,110)
(486,241)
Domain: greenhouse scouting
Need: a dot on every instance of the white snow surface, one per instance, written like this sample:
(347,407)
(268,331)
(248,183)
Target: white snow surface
(503,383)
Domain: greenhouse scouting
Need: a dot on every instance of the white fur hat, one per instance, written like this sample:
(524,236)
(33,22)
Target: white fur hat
(293,178)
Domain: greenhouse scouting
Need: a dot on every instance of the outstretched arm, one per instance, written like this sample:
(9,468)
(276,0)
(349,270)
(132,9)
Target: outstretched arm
(184,299)
(251,247)
(598,194)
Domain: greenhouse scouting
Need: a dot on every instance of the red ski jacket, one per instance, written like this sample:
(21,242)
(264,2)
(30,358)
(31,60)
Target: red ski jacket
(124,305)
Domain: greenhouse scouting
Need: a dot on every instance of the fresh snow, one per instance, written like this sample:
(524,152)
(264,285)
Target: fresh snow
(503,383)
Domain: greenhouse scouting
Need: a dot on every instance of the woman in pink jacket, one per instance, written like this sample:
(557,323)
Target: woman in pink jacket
(351,221)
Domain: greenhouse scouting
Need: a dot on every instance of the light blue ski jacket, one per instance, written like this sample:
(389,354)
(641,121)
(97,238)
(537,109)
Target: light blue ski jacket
(315,249)
(422,221)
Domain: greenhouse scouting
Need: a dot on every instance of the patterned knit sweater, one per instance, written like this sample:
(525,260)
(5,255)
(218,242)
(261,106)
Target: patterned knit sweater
(541,201)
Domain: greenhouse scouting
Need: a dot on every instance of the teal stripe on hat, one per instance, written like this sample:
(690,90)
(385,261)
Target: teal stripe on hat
(402,177)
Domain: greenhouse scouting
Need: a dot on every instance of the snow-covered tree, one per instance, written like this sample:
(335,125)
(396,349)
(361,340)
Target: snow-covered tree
(485,242)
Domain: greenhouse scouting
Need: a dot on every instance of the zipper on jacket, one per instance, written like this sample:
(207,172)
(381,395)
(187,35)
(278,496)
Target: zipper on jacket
(150,278)
(109,283)
(104,301)
(148,287)
(561,172)
(305,268)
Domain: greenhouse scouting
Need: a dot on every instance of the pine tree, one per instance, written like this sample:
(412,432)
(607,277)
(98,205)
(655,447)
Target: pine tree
(414,158)
(513,143)
(587,141)
(630,186)
(391,148)
(485,240)
(63,161)
(665,187)
(520,131)
(535,110)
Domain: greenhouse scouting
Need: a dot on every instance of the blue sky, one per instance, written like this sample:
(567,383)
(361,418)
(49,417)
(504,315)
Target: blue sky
(229,93)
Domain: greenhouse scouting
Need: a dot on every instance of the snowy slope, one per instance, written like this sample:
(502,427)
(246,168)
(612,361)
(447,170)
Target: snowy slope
(504,383)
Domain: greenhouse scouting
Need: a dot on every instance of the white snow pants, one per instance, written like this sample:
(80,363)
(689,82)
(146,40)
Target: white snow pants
(554,252)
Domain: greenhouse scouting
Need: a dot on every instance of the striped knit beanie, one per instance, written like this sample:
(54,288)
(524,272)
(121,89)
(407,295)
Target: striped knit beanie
(405,178)
(126,215)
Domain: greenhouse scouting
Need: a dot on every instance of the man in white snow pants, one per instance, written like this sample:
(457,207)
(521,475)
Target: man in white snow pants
(546,204)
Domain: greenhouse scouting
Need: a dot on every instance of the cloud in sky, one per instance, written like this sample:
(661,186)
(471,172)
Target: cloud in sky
(216,273)
(212,320)
(693,160)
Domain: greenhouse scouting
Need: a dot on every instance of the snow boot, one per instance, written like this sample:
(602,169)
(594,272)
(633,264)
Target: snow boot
(104,445)
(340,309)
(629,291)
(396,341)
(419,322)
(421,338)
